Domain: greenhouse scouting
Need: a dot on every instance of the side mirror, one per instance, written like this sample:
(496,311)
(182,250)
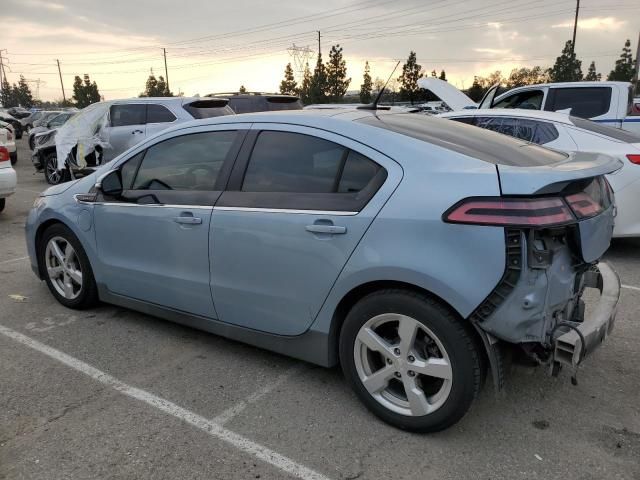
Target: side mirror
(110,184)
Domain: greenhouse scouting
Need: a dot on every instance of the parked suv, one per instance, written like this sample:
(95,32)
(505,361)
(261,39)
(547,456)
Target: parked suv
(104,130)
(250,102)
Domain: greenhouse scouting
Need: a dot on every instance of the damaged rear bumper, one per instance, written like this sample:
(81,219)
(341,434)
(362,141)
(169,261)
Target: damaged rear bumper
(583,338)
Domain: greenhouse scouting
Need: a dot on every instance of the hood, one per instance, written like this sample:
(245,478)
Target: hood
(454,98)
(552,178)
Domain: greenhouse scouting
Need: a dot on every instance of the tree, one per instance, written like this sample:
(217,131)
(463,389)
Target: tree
(85,92)
(411,73)
(337,81)
(434,74)
(567,67)
(520,77)
(477,90)
(624,69)
(367,85)
(288,86)
(242,89)
(592,75)
(305,88)
(22,93)
(318,86)
(443,76)
(7,95)
(156,87)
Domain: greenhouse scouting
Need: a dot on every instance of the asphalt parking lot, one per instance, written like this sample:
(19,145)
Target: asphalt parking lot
(111,393)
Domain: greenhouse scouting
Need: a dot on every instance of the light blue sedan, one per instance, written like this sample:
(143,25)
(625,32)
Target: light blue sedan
(411,250)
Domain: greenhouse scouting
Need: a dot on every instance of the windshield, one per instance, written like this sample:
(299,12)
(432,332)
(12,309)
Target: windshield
(615,133)
(59,120)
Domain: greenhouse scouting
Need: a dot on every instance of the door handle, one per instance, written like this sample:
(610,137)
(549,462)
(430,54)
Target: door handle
(322,228)
(187,220)
(136,131)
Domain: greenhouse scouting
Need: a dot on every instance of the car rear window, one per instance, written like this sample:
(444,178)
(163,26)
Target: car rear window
(465,139)
(209,108)
(284,103)
(615,133)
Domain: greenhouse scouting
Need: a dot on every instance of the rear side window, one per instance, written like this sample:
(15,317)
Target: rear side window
(297,163)
(529,100)
(533,131)
(159,114)
(467,120)
(208,108)
(615,133)
(188,162)
(131,114)
(291,162)
(584,102)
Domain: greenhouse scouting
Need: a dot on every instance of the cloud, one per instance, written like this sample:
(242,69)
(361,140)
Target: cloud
(493,51)
(595,23)
(41,4)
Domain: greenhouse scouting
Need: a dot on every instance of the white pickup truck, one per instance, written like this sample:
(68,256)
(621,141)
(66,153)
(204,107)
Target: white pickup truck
(609,103)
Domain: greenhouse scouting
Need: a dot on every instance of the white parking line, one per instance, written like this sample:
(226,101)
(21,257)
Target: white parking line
(235,410)
(13,260)
(209,426)
(631,287)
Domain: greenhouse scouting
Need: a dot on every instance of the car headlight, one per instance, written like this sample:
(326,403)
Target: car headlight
(38,201)
(44,139)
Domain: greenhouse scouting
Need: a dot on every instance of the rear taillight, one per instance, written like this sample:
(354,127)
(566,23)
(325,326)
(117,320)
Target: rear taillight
(634,158)
(4,154)
(583,205)
(516,212)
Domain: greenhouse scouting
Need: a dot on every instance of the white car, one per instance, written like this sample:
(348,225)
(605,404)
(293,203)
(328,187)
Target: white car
(8,178)
(572,134)
(8,141)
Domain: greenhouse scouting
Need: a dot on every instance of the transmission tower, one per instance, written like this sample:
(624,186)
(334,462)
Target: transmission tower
(37,82)
(301,56)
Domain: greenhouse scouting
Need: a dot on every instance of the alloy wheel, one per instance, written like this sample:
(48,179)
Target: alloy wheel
(63,268)
(403,365)
(52,172)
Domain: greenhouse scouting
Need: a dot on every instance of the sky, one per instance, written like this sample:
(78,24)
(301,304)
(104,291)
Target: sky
(215,46)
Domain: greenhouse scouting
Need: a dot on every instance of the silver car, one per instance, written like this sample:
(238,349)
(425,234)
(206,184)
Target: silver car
(412,250)
(102,131)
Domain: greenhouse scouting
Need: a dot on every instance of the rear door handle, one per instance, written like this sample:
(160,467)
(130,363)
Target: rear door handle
(188,220)
(320,228)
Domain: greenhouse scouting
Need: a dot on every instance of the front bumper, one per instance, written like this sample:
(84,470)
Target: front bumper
(572,347)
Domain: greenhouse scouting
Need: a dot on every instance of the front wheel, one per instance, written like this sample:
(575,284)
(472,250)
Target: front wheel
(66,268)
(52,175)
(410,360)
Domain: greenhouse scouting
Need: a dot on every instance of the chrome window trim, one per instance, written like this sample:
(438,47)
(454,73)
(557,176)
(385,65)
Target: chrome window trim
(155,205)
(285,210)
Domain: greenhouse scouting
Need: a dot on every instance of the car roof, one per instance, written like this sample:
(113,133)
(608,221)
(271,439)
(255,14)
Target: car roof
(511,112)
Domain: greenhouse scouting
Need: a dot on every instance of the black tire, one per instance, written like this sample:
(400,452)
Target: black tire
(88,294)
(32,142)
(14,158)
(50,165)
(456,338)
(3,203)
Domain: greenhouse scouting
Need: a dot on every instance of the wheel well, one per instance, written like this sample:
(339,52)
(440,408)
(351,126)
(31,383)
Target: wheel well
(361,291)
(41,229)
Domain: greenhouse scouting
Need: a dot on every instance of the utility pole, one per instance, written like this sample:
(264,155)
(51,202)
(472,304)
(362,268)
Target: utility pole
(575,27)
(64,97)
(166,72)
(1,68)
(319,50)
(637,75)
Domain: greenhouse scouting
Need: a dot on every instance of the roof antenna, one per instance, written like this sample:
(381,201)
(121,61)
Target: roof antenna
(374,105)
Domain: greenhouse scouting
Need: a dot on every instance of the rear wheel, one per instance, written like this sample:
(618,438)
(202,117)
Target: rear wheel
(66,268)
(3,202)
(410,360)
(14,158)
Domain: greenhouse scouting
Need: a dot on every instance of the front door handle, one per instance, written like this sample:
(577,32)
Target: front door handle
(136,131)
(187,220)
(322,228)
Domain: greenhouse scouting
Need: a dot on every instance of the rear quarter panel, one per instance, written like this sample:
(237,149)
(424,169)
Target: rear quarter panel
(408,241)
